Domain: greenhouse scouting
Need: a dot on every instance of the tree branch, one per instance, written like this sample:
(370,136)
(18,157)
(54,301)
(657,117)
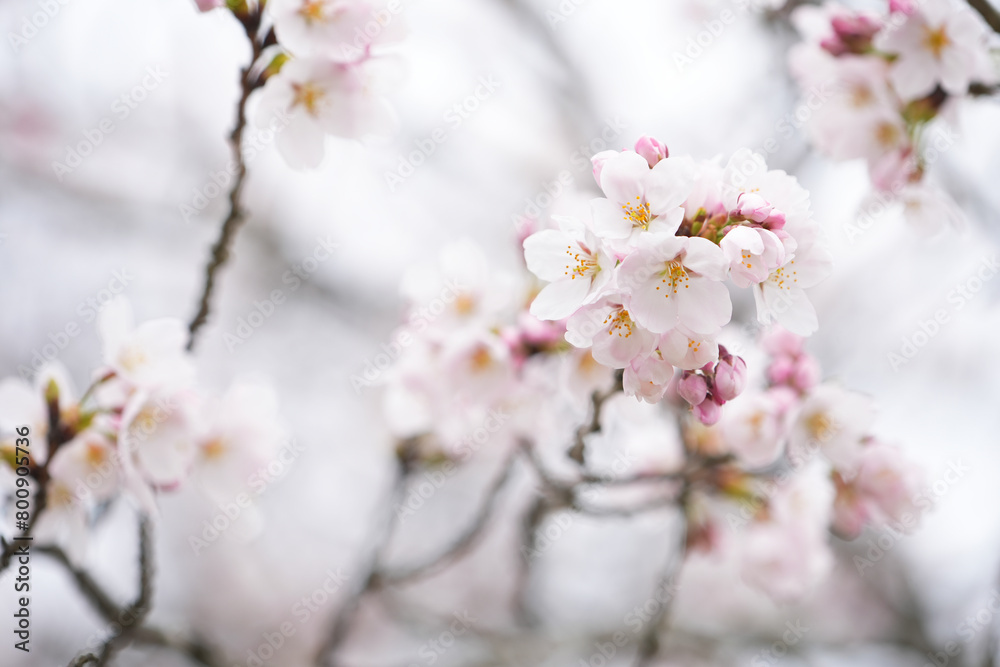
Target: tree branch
(578,451)
(341,626)
(236,216)
(988,12)
(650,644)
(466,540)
(139,609)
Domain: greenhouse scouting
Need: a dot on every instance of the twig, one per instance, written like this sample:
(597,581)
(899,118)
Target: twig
(466,540)
(139,609)
(370,580)
(578,451)
(540,509)
(90,589)
(650,644)
(988,12)
(236,216)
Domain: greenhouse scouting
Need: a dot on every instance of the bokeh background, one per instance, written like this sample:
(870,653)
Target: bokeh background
(568,72)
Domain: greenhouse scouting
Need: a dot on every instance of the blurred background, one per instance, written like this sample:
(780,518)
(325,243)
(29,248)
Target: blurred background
(567,78)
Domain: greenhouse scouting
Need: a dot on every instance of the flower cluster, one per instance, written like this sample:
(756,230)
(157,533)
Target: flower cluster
(641,278)
(803,461)
(765,481)
(140,428)
(327,73)
(884,78)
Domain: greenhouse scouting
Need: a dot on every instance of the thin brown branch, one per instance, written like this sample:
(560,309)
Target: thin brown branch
(249,82)
(650,644)
(988,12)
(139,609)
(87,585)
(468,538)
(578,451)
(370,580)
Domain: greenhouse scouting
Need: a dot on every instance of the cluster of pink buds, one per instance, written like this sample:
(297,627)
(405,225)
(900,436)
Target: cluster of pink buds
(708,388)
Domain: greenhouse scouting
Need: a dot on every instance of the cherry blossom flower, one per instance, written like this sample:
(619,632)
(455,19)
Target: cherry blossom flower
(782,298)
(648,377)
(687,350)
(333,28)
(940,44)
(677,281)
(639,199)
(571,260)
(88,465)
(24,404)
(835,422)
(156,444)
(149,356)
(753,254)
(884,490)
(320,97)
(788,553)
(237,434)
(754,430)
(608,327)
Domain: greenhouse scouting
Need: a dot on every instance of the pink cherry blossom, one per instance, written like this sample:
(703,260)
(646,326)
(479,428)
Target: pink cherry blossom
(677,281)
(574,264)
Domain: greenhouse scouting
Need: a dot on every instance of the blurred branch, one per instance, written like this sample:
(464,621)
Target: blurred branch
(194,649)
(139,609)
(467,539)
(574,98)
(371,580)
(249,82)
(988,12)
(650,645)
(578,451)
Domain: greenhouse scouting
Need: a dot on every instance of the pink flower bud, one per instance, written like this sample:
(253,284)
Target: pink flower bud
(208,5)
(781,370)
(693,389)
(598,163)
(784,399)
(651,149)
(730,379)
(851,34)
(902,6)
(779,341)
(752,206)
(708,412)
(806,374)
